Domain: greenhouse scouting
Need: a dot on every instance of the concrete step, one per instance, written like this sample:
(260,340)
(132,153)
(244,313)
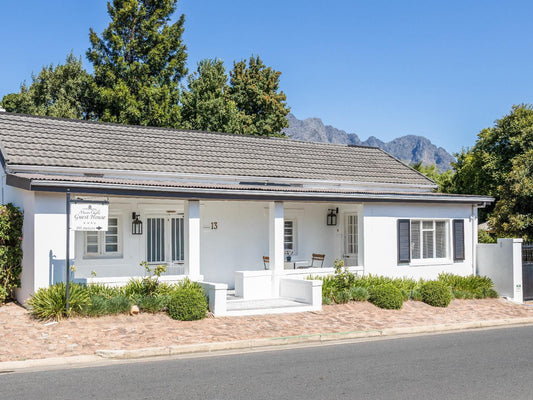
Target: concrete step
(237,306)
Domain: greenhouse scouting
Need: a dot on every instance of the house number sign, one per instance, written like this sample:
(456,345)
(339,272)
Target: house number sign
(214,225)
(86,216)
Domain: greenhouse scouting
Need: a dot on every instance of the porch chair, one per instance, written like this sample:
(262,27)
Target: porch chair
(318,258)
(266,262)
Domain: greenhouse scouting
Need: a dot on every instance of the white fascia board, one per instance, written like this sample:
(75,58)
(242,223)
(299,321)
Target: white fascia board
(223,179)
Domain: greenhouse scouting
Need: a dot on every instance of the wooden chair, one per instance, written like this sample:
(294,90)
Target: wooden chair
(319,258)
(266,262)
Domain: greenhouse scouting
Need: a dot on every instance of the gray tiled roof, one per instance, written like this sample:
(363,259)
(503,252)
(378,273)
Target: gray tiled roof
(43,141)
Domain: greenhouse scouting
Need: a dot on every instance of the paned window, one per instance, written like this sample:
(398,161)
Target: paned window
(105,243)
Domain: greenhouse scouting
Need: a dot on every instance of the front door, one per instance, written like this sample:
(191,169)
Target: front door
(351,240)
(164,242)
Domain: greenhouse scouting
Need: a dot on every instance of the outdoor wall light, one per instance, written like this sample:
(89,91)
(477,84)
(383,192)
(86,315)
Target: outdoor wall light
(332,217)
(136,225)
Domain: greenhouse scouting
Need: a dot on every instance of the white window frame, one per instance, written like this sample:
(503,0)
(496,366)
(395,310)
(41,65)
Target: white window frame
(101,242)
(447,245)
(294,235)
(167,245)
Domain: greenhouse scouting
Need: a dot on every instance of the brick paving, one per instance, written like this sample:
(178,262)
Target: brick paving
(22,337)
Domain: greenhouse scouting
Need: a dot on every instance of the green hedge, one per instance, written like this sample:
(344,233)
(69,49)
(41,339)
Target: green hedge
(11,219)
(436,294)
(386,296)
(187,304)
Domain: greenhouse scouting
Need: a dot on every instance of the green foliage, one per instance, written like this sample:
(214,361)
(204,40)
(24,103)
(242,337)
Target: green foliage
(386,296)
(147,286)
(138,63)
(11,219)
(187,303)
(485,237)
(342,296)
(442,179)
(154,303)
(50,303)
(416,295)
(63,91)
(436,293)
(471,283)
(500,164)
(359,293)
(207,105)
(255,91)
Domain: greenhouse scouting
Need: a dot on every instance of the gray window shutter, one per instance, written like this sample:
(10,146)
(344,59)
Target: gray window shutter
(458,239)
(404,241)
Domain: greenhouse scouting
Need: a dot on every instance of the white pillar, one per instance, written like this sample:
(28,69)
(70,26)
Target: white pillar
(192,238)
(275,243)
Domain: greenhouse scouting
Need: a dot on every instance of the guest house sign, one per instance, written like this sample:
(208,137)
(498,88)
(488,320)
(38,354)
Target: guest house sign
(88,216)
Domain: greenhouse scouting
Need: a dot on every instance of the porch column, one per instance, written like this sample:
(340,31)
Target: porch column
(192,238)
(275,243)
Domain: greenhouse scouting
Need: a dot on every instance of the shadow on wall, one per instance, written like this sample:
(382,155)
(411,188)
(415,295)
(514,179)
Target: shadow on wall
(57,269)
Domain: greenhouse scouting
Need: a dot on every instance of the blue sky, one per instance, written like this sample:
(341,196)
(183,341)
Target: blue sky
(444,70)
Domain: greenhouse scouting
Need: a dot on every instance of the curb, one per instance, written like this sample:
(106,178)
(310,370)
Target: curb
(251,344)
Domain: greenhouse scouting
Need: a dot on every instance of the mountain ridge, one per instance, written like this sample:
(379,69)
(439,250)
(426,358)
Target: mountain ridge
(408,148)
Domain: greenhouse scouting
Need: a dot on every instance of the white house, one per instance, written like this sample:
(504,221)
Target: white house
(213,205)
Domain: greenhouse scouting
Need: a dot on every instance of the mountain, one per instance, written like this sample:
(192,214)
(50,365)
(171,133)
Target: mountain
(410,149)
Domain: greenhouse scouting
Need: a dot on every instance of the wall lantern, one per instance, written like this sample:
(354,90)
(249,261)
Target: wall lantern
(136,225)
(332,216)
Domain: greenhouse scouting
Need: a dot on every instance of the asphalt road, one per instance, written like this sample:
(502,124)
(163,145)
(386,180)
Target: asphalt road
(488,364)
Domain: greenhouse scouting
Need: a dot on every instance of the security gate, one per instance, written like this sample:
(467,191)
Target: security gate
(527,270)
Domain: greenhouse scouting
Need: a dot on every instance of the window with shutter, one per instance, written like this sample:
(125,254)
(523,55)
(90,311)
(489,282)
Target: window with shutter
(422,240)
(458,239)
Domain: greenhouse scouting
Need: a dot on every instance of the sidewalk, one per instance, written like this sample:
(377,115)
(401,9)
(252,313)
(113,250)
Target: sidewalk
(24,338)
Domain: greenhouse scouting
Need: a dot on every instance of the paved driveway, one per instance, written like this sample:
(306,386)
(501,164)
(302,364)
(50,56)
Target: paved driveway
(22,337)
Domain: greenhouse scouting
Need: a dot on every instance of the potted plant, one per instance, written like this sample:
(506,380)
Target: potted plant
(288,254)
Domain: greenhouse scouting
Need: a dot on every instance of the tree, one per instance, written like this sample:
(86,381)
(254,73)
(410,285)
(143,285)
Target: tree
(442,179)
(255,91)
(206,105)
(61,91)
(500,165)
(138,63)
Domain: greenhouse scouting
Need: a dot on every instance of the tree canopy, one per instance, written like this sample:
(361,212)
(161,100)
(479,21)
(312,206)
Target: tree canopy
(255,91)
(207,105)
(139,62)
(442,179)
(500,164)
(57,91)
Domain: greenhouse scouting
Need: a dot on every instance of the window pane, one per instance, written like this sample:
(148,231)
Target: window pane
(92,239)
(176,237)
(440,239)
(92,248)
(112,222)
(111,248)
(155,240)
(288,236)
(415,239)
(427,224)
(427,238)
(111,239)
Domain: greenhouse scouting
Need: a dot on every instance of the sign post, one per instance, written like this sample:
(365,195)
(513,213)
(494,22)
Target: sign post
(83,215)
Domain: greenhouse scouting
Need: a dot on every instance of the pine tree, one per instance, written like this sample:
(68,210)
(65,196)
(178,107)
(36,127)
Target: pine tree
(255,91)
(206,105)
(138,63)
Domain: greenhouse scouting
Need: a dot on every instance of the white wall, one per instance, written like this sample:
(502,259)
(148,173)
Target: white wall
(381,243)
(502,262)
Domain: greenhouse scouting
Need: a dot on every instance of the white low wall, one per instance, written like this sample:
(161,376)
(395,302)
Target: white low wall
(217,295)
(502,262)
(305,291)
(252,285)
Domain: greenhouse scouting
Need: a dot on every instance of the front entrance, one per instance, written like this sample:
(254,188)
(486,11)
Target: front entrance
(164,242)
(351,240)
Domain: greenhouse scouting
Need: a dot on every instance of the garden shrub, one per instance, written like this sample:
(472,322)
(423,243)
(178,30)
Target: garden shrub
(154,303)
(386,296)
(50,303)
(118,304)
(491,293)
(416,295)
(469,283)
(11,219)
(342,296)
(188,302)
(359,293)
(436,294)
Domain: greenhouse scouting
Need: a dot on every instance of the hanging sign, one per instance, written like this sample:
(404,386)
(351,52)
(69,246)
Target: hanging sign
(88,216)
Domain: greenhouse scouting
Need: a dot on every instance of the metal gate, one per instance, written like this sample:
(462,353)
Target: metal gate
(527,270)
